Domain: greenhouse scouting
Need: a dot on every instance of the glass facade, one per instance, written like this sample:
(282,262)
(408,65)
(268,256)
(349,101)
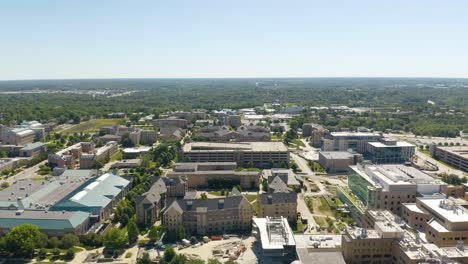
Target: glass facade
(379,155)
(362,189)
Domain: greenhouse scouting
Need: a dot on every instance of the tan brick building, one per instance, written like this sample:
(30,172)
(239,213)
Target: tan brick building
(202,216)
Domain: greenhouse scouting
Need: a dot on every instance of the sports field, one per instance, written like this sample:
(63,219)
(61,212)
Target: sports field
(91,125)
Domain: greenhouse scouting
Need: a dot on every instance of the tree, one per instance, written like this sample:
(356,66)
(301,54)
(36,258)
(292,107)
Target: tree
(203,196)
(213,261)
(22,240)
(126,141)
(53,242)
(3,154)
(145,259)
(115,239)
(55,252)
(169,254)
(69,241)
(70,254)
(93,240)
(42,253)
(155,233)
(132,232)
(42,241)
(265,186)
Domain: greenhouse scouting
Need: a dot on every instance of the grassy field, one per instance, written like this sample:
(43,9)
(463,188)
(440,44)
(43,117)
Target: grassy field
(91,125)
(251,197)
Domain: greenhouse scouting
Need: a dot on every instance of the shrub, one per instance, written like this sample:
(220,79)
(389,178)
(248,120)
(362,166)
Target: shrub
(70,254)
(42,253)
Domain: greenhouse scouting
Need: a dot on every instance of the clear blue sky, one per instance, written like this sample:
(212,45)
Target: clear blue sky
(239,38)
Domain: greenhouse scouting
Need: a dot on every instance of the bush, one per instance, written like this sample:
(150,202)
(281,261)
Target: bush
(55,252)
(93,240)
(70,254)
(42,253)
(53,242)
(128,255)
(69,241)
(117,253)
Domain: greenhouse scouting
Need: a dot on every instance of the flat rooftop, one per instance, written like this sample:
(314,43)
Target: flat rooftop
(275,233)
(33,146)
(414,208)
(336,154)
(392,174)
(354,134)
(321,249)
(232,147)
(446,209)
(461,151)
(43,219)
(39,194)
(398,144)
(136,150)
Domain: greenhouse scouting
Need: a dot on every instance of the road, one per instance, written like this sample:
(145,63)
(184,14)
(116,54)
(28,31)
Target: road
(305,213)
(442,167)
(302,163)
(25,174)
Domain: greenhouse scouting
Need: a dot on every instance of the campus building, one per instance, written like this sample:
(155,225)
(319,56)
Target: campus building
(387,187)
(338,161)
(444,221)
(384,239)
(51,223)
(455,156)
(278,204)
(33,149)
(69,203)
(150,204)
(389,151)
(16,136)
(241,134)
(214,173)
(316,132)
(258,154)
(202,216)
(105,152)
(275,236)
(170,123)
(66,157)
(97,196)
(345,141)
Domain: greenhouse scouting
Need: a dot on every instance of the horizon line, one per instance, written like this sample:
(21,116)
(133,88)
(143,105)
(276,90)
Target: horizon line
(238,78)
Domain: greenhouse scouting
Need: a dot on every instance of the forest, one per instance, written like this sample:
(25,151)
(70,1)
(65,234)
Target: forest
(73,100)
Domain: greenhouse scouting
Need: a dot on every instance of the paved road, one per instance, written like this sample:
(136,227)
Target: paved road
(305,213)
(302,163)
(25,174)
(442,167)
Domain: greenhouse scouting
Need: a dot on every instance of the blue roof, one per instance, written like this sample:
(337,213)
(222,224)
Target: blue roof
(32,146)
(97,194)
(42,219)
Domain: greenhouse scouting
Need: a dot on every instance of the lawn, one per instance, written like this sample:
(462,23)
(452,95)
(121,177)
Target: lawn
(116,156)
(323,207)
(321,221)
(92,125)
(298,142)
(216,193)
(248,169)
(250,197)
(255,208)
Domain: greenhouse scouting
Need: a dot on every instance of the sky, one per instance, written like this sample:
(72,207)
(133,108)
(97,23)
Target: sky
(232,38)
